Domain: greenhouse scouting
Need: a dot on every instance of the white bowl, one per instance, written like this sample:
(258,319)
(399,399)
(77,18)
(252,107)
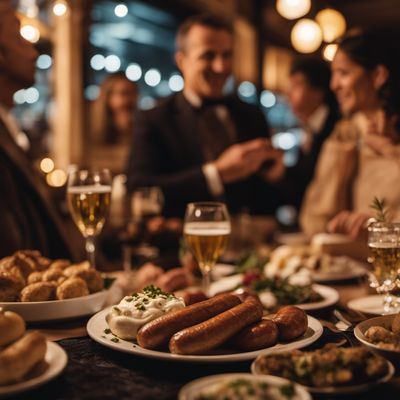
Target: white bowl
(58,309)
(384,321)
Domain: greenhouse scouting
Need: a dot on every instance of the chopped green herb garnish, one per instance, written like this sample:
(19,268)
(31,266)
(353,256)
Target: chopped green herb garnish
(129,299)
(114,339)
(107,331)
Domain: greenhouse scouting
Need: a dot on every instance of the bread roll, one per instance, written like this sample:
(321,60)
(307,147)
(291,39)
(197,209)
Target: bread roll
(12,327)
(19,358)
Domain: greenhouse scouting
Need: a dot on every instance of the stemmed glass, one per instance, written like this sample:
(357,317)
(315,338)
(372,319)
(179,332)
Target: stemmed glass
(145,204)
(89,197)
(206,229)
(384,243)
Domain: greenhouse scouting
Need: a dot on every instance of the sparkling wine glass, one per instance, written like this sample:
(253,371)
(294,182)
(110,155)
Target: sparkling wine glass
(384,243)
(206,229)
(89,197)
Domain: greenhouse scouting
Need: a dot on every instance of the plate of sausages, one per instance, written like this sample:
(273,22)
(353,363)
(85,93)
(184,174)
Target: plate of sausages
(223,328)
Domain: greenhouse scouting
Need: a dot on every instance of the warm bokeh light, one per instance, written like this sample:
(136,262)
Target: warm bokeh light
(56,178)
(47,165)
(30,33)
(306,36)
(60,8)
(292,9)
(329,51)
(332,23)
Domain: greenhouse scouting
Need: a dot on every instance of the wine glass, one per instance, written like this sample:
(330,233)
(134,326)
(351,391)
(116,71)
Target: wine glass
(206,229)
(89,197)
(145,204)
(384,243)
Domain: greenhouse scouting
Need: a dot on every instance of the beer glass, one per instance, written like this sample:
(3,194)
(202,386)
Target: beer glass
(384,243)
(206,229)
(89,196)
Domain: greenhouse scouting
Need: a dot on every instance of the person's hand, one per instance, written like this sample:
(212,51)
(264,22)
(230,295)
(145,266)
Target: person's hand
(241,160)
(276,168)
(172,280)
(349,223)
(381,135)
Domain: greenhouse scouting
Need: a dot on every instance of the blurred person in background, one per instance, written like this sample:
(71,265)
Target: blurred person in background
(28,219)
(361,159)
(200,145)
(111,124)
(315,106)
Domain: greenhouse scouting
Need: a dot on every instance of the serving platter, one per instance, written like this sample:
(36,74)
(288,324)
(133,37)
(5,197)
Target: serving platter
(372,305)
(191,390)
(54,363)
(58,309)
(97,328)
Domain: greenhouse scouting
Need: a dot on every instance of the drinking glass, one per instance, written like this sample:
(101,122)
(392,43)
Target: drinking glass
(206,229)
(384,243)
(89,197)
(145,204)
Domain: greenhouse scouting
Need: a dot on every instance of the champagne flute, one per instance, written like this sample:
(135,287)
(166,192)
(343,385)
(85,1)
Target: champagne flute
(384,243)
(206,229)
(89,197)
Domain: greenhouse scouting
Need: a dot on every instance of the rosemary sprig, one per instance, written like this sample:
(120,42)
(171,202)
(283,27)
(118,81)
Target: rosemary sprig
(380,208)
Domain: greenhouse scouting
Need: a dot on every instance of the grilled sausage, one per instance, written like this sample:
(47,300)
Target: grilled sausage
(212,333)
(256,336)
(158,332)
(292,322)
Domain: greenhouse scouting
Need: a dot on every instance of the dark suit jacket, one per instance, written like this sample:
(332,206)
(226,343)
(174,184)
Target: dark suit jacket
(166,152)
(297,177)
(28,219)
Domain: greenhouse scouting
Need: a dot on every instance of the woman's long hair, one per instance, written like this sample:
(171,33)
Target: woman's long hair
(370,49)
(102,127)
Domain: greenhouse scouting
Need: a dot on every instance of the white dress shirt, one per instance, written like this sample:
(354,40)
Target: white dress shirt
(12,126)
(314,126)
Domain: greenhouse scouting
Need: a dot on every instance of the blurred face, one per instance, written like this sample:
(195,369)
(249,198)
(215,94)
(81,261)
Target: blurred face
(123,96)
(206,61)
(17,56)
(353,85)
(303,98)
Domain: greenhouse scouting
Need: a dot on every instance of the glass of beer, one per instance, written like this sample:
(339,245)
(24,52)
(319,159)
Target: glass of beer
(384,243)
(89,197)
(206,229)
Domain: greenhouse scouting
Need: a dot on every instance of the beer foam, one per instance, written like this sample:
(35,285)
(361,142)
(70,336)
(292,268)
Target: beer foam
(207,228)
(90,189)
(380,245)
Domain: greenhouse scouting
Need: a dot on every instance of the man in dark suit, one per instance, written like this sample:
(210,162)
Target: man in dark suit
(28,219)
(199,145)
(314,104)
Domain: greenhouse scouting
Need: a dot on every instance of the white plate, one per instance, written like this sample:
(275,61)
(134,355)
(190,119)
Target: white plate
(97,324)
(384,321)
(192,390)
(58,309)
(330,295)
(221,270)
(353,270)
(56,360)
(338,390)
(372,305)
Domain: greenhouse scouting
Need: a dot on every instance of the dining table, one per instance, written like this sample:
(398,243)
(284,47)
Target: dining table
(97,372)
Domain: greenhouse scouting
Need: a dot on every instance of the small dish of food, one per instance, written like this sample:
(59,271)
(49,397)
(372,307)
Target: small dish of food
(27,360)
(242,386)
(381,335)
(330,370)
